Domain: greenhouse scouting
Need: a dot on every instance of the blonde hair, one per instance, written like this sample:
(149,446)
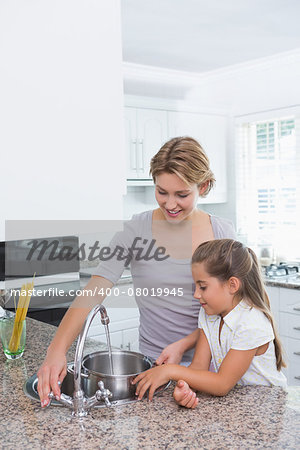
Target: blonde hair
(184,157)
(226,258)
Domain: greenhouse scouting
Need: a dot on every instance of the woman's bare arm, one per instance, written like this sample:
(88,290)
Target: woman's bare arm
(172,354)
(53,368)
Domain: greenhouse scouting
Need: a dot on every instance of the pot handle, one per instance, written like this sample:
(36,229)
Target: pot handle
(150,360)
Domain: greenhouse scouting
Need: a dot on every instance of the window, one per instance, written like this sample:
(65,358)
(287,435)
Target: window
(268,185)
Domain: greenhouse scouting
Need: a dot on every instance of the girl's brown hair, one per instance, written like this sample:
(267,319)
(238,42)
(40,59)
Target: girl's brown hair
(226,258)
(184,157)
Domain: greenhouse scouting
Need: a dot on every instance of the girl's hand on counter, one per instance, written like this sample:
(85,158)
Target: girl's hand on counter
(172,354)
(53,369)
(151,379)
(184,395)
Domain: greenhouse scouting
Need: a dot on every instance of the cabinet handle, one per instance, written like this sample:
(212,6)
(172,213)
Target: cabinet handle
(296,309)
(133,156)
(296,328)
(125,346)
(141,153)
(297,378)
(137,158)
(297,353)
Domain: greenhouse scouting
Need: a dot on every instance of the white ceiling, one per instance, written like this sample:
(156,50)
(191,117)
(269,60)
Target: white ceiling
(203,35)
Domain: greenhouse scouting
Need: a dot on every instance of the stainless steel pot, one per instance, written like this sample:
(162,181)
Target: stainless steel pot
(127,365)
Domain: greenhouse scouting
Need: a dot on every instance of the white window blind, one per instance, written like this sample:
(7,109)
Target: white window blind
(268,185)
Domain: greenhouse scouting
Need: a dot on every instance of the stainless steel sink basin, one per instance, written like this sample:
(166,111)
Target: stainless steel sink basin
(67,387)
(30,387)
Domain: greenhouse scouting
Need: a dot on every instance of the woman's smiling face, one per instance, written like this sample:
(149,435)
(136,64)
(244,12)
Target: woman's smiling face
(176,199)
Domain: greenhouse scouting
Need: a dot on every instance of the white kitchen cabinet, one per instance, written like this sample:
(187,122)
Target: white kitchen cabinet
(211,132)
(131,339)
(273,294)
(115,337)
(285,306)
(146,131)
(126,339)
(289,327)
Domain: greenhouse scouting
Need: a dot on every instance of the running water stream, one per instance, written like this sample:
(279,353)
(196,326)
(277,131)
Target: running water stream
(109,350)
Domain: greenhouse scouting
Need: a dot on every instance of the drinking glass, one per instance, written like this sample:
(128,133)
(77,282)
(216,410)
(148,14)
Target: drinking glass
(12,350)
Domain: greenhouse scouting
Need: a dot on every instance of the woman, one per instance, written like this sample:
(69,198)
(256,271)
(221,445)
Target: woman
(164,283)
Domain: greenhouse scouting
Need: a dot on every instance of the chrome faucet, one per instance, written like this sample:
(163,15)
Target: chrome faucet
(80,404)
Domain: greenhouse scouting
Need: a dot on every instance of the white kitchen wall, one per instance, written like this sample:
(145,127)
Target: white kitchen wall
(61,123)
(138,199)
(265,84)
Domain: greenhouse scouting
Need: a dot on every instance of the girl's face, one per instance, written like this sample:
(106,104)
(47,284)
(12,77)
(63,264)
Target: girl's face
(215,297)
(176,199)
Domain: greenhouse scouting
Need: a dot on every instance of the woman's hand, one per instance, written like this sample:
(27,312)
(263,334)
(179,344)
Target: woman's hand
(184,395)
(151,379)
(53,369)
(172,354)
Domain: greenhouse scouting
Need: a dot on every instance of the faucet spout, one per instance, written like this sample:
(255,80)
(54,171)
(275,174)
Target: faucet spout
(79,399)
(104,316)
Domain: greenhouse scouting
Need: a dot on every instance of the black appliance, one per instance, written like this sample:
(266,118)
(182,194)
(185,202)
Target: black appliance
(55,263)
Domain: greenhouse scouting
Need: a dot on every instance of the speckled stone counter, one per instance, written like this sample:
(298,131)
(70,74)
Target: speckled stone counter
(288,283)
(246,418)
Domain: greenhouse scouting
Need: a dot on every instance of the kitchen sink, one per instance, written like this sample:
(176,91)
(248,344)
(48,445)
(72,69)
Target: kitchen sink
(67,387)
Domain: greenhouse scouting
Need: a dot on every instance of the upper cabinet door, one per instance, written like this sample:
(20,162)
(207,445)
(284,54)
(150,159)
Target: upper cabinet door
(130,118)
(211,132)
(152,134)
(146,131)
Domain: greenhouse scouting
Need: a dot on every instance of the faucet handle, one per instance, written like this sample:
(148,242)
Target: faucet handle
(51,396)
(103,394)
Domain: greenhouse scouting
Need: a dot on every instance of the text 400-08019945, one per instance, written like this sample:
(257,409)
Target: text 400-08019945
(137,292)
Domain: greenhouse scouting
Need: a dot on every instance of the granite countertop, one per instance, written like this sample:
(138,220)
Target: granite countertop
(247,417)
(289,283)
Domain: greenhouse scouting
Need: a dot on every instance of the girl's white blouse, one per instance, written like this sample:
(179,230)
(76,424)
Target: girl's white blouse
(244,328)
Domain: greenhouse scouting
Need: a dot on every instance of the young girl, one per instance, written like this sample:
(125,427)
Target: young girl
(236,328)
